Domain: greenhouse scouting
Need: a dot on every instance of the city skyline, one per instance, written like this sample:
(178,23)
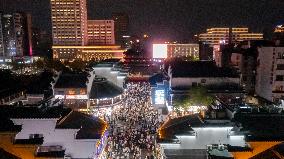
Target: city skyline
(147,79)
(176,20)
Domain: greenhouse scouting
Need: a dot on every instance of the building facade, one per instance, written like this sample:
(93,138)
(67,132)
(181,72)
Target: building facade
(270,73)
(15,35)
(121,22)
(87,53)
(183,50)
(215,36)
(162,51)
(71,31)
(69,22)
(101,32)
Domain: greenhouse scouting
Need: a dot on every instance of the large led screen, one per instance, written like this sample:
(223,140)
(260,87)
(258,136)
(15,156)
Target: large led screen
(160,97)
(160,51)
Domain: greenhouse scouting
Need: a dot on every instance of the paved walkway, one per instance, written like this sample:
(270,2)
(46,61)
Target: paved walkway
(133,125)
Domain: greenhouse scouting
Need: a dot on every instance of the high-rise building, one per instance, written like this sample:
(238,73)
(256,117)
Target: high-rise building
(205,51)
(69,22)
(216,36)
(15,35)
(101,32)
(42,42)
(121,22)
(70,33)
(270,75)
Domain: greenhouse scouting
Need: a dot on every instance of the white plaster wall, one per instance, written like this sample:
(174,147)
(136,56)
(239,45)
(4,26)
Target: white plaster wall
(103,71)
(207,136)
(90,83)
(120,81)
(35,126)
(113,77)
(63,137)
(181,82)
(263,87)
(81,148)
(59,136)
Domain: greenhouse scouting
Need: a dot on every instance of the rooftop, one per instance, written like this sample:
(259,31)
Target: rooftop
(157,78)
(32,112)
(90,127)
(102,88)
(40,83)
(72,80)
(200,69)
(261,126)
(179,126)
(186,153)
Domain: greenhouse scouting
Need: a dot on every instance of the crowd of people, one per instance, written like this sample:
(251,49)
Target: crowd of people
(133,125)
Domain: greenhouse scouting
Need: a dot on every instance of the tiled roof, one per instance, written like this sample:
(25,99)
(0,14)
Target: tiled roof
(102,88)
(179,125)
(262,126)
(200,69)
(157,78)
(32,112)
(90,127)
(72,80)
(40,83)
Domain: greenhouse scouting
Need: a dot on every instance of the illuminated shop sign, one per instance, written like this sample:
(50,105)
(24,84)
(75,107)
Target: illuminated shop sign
(160,97)
(71,97)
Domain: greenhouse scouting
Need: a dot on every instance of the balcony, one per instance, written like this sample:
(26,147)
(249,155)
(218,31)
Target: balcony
(50,151)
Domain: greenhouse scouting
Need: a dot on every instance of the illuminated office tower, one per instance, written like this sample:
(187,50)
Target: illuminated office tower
(216,36)
(69,22)
(101,32)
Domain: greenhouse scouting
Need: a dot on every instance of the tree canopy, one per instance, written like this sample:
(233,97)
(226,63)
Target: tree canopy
(197,96)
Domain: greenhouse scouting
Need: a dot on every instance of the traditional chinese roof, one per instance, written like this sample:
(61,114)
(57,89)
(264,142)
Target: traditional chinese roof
(91,127)
(102,88)
(201,69)
(72,80)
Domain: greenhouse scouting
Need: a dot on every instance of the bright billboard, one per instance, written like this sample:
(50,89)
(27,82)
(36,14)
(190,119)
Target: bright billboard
(160,97)
(160,51)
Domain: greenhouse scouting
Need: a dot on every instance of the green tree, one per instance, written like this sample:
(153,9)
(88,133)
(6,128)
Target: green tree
(180,102)
(77,65)
(39,64)
(199,96)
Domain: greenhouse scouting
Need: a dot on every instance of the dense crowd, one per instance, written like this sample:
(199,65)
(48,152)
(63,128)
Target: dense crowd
(133,125)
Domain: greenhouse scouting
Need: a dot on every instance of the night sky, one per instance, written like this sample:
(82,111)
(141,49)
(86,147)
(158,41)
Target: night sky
(175,19)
